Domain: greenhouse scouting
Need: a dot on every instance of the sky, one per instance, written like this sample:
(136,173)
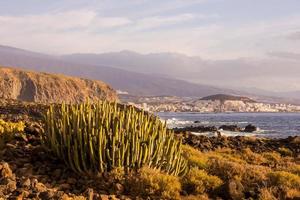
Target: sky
(211,29)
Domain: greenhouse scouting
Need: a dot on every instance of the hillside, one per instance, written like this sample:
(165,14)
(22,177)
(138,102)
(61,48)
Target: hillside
(41,87)
(237,74)
(226,97)
(132,82)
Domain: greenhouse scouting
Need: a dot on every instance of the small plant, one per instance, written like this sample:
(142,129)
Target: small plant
(97,138)
(194,157)
(7,129)
(154,184)
(285,151)
(199,182)
(285,179)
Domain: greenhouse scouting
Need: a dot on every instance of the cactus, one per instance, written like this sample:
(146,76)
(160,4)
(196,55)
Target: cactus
(96,138)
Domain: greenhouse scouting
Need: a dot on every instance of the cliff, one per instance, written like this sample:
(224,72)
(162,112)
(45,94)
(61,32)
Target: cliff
(49,88)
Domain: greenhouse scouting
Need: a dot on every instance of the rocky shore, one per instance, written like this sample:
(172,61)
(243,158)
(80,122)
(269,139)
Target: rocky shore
(201,129)
(258,145)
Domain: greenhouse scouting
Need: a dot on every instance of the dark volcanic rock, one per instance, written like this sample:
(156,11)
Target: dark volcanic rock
(198,129)
(250,128)
(234,128)
(257,145)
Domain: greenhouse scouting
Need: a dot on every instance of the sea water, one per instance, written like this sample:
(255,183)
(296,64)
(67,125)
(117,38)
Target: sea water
(272,125)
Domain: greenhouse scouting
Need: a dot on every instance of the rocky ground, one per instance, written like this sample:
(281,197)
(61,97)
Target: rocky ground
(28,171)
(257,145)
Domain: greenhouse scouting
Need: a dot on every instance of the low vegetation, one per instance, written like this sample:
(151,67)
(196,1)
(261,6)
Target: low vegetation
(135,155)
(7,130)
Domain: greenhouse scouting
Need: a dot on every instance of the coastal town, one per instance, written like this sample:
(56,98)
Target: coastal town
(176,104)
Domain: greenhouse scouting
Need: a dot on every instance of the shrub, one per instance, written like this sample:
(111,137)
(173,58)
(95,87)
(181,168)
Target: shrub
(194,157)
(284,179)
(154,184)
(7,129)
(285,151)
(272,158)
(251,157)
(96,138)
(225,169)
(266,194)
(11,127)
(199,182)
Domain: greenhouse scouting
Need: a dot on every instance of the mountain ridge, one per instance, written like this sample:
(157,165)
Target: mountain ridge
(132,82)
(51,88)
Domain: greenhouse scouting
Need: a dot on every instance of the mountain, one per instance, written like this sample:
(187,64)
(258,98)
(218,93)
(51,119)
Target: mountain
(226,97)
(124,80)
(47,88)
(268,73)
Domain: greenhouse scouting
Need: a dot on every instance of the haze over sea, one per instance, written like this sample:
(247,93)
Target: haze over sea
(270,125)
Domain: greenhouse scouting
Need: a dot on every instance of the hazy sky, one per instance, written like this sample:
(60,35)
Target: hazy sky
(214,29)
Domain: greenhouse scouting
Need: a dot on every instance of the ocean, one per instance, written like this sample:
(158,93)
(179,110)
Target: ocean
(270,125)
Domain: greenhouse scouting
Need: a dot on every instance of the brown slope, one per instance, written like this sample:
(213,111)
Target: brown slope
(50,88)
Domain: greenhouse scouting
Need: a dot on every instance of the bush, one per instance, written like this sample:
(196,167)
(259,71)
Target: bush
(154,184)
(285,151)
(273,159)
(194,157)
(10,127)
(284,179)
(266,194)
(199,182)
(251,157)
(97,138)
(7,129)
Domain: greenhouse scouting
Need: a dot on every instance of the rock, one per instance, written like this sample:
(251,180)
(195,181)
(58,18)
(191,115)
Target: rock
(46,195)
(57,173)
(198,129)
(250,128)
(40,187)
(71,181)
(89,193)
(104,197)
(5,172)
(119,188)
(235,190)
(234,128)
(26,183)
(11,186)
(64,186)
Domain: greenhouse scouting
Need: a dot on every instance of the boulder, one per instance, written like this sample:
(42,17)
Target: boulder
(250,128)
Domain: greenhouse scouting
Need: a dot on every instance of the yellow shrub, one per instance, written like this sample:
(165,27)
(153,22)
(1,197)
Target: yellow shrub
(251,157)
(198,182)
(285,151)
(285,179)
(293,194)
(7,129)
(194,157)
(195,197)
(295,169)
(154,184)
(225,169)
(272,158)
(266,194)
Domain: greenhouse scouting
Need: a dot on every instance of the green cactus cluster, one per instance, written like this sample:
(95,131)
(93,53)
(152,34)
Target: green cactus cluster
(96,138)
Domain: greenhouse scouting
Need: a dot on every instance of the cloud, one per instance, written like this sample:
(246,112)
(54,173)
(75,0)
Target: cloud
(77,19)
(294,36)
(285,55)
(160,21)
